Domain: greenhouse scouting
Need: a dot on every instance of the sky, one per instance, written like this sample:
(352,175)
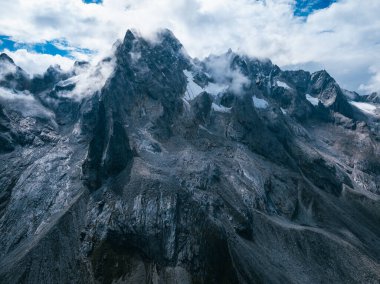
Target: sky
(340,36)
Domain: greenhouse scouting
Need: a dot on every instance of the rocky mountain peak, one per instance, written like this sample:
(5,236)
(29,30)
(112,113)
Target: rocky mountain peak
(154,165)
(374,98)
(5,58)
(329,93)
(163,38)
(166,37)
(321,80)
(11,75)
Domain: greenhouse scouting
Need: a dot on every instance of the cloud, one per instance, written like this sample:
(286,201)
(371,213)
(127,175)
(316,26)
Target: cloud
(37,63)
(220,69)
(6,68)
(343,38)
(88,79)
(24,103)
(374,83)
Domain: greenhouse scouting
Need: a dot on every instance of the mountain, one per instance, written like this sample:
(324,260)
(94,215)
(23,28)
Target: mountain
(373,98)
(12,76)
(153,167)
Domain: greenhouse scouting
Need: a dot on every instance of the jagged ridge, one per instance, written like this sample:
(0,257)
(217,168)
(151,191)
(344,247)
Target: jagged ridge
(224,170)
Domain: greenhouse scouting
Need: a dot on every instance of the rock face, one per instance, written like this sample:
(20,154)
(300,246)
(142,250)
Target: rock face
(373,98)
(12,76)
(226,170)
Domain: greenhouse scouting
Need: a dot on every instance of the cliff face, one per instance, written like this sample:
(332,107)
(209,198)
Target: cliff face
(165,169)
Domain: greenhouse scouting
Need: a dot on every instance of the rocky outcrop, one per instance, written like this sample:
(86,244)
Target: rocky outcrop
(329,93)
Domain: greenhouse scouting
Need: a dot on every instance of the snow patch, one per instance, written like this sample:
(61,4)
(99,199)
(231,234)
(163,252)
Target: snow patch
(312,100)
(365,107)
(220,108)
(259,103)
(192,89)
(283,85)
(215,89)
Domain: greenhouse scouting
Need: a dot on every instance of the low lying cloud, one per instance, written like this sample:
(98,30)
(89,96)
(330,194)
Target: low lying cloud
(220,69)
(6,68)
(88,79)
(24,103)
(343,39)
(37,63)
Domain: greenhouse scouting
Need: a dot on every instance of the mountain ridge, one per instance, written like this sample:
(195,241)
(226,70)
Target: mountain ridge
(165,169)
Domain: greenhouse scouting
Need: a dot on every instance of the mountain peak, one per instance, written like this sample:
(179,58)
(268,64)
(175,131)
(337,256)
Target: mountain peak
(166,34)
(321,75)
(5,58)
(129,36)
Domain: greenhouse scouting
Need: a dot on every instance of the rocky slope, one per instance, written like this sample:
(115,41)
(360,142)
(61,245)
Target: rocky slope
(153,167)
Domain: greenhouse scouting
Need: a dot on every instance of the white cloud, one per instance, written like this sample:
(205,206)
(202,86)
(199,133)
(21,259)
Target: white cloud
(24,103)
(37,63)
(6,68)
(87,80)
(220,68)
(374,83)
(343,39)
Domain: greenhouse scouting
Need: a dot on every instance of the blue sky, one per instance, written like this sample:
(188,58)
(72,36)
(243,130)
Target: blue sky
(340,36)
(305,7)
(92,1)
(53,47)
(48,47)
